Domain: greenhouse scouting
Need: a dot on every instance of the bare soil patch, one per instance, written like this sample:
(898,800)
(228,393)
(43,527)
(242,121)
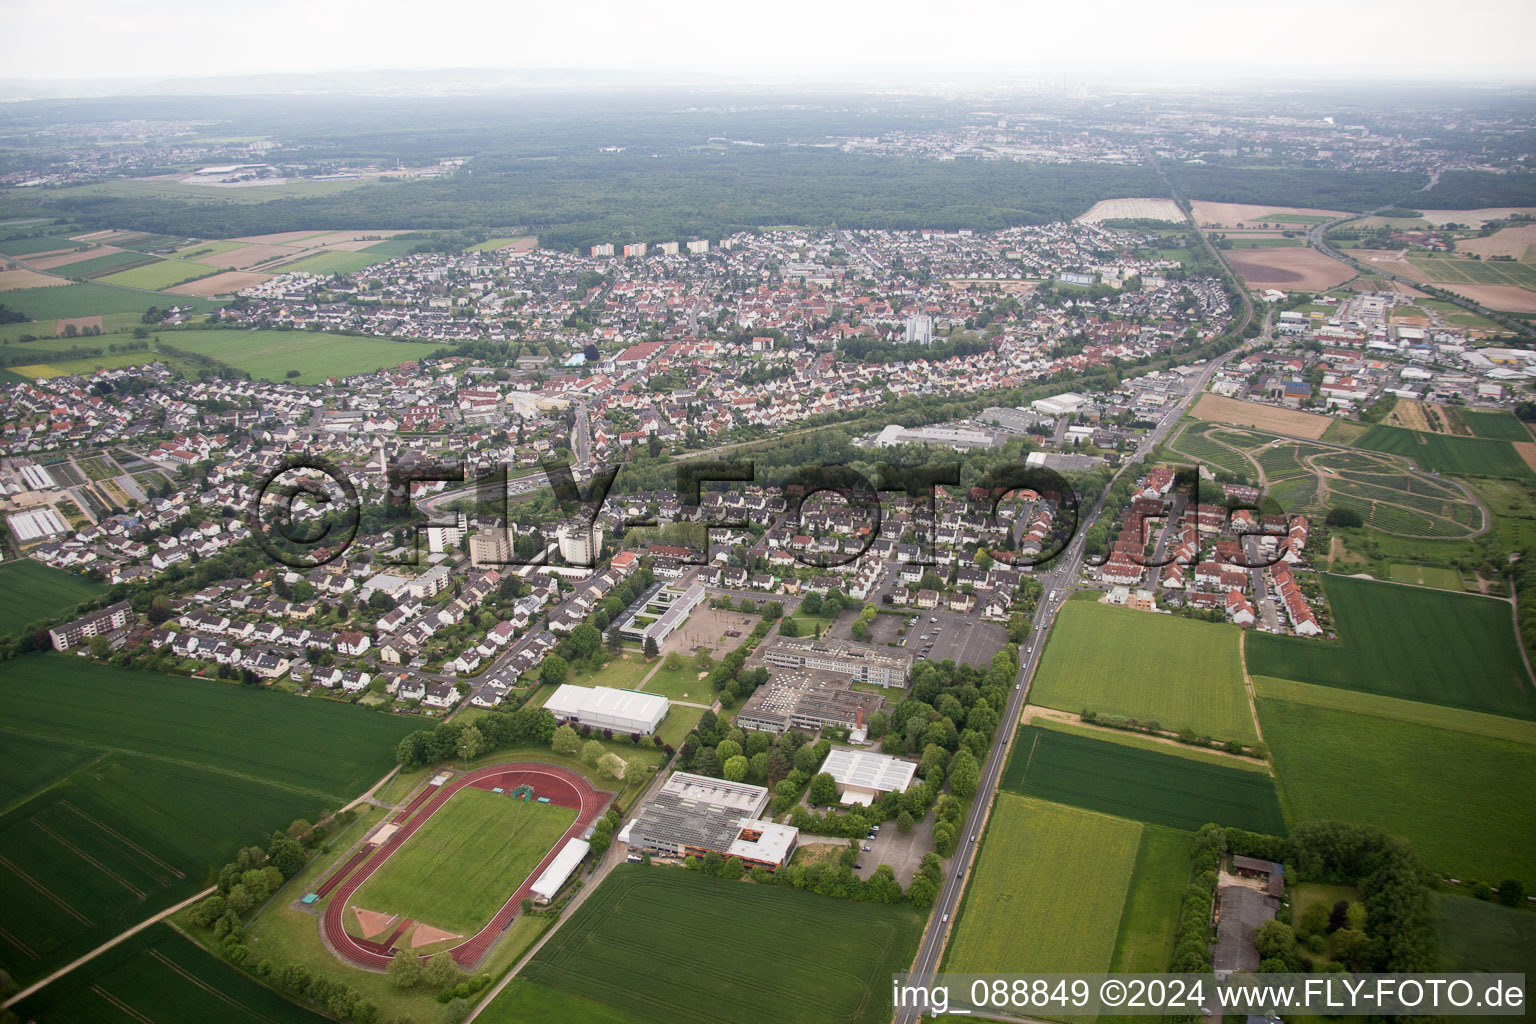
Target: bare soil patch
(1503,242)
(1141,209)
(1527,450)
(248,256)
(1230,215)
(1289,269)
(1263,417)
(10,280)
(1508,297)
(72,256)
(220,284)
(1475,218)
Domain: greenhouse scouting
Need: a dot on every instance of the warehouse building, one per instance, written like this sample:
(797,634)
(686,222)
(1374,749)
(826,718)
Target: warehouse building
(695,815)
(863,776)
(866,663)
(603,707)
(553,877)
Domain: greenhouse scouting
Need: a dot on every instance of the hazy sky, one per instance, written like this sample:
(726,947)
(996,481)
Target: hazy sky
(892,39)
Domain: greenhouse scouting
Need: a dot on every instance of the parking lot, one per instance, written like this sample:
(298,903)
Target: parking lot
(966,638)
(903,851)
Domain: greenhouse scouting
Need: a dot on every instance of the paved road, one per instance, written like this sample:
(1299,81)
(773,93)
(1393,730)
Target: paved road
(1057,583)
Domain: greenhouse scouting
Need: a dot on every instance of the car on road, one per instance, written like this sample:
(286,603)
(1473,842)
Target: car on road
(945,920)
(858,867)
(867,849)
(973,839)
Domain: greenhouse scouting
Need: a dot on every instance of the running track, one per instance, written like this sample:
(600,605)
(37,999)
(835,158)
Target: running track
(563,787)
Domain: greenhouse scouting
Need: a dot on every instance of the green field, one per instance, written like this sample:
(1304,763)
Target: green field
(125,789)
(30,590)
(1398,710)
(1144,785)
(1451,270)
(206,251)
(1445,453)
(1149,923)
(337,262)
(75,300)
(1178,672)
(1501,425)
(271,354)
(1467,802)
(679,722)
(637,947)
(1426,645)
(494,243)
(160,274)
(106,361)
(458,869)
(1479,936)
(1426,576)
(1047,890)
(159,977)
(101,264)
(38,243)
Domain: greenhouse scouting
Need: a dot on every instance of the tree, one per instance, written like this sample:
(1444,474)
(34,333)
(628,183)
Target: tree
(555,670)
(789,627)
(673,662)
(470,743)
(651,650)
(440,972)
(904,821)
(611,765)
(602,836)
(728,749)
(591,752)
(1343,517)
(1511,892)
(922,892)
(964,773)
(286,855)
(565,740)
(404,969)
(733,868)
(824,789)
(614,641)
(586,639)
(634,768)
(736,768)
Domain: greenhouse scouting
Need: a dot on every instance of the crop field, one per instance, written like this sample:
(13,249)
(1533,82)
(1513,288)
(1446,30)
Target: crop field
(1500,425)
(1144,785)
(621,949)
(102,265)
(1265,417)
(1462,456)
(1458,650)
(1479,936)
(107,361)
(37,243)
(157,275)
(160,977)
(332,262)
(1437,716)
(1047,890)
(125,788)
(87,300)
(1196,442)
(1296,269)
(1178,672)
(1149,923)
(30,591)
(1466,801)
(271,354)
(461,866)
(1450,270)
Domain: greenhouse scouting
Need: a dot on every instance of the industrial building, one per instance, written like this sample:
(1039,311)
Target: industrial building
(694,815)
(807,700)
(863,776)
(553,877)
(867,663)
(603,707)
(959,438)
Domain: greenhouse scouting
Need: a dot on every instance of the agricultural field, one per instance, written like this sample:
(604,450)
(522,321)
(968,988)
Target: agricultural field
(1458,650)
(1133,209)
(1294,269)
(1426,576)
(1454,270)
(620,949)
(1232,215)
(271,354)
(1178,672)
(88,300)
(100,266)
(160,977)
(1149,922)
(1203,442)
(159,274)
(37,243)
(30,591)
(106,361)
(1500,425)
(1466,801)
(1048,890)
(460,867)
(333,262)
(1152,786)
(1264,417)
(1462,456)
(136,785)
(523,242)
(1479,936)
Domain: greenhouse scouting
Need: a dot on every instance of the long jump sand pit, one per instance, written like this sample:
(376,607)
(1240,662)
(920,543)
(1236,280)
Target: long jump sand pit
(10,280)
(372,922)
(1230,215)
(1262,417)
(1132,209)
(426,935)
(1289,269)
(221,284)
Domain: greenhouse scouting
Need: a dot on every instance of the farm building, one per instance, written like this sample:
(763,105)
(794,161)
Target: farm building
(863,776)
(1240,912)
(553,877)
(603,707)
(694,815)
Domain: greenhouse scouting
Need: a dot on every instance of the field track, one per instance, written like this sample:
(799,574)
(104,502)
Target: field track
(562,786)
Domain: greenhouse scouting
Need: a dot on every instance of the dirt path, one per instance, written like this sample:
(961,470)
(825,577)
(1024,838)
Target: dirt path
(1253,696)
(1032,712)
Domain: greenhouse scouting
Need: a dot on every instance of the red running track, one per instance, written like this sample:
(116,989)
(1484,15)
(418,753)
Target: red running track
(562,786)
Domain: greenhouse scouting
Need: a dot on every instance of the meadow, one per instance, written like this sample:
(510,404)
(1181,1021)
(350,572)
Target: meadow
(1178,672)
(1458,650)
(272,354)
(1467,802)
(1144,785)
(30,591)
(1502,425)
(74,300)
(160,977)
(1479,936)
(1047,890)
(1149,922)
(458,869)
(639,945)
(1445,453)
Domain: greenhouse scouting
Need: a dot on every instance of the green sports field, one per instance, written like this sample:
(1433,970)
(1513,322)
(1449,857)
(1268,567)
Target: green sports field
(1445,453)
(124,789)
(159,977)
(1178,672)
(1149,923)
(458,869)
(1466,801)
(30,591)
(671,946)
(1426,645)
(271,354)
(1047,890)
(1145,785)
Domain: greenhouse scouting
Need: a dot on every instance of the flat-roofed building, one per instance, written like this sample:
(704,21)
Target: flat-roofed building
(807,700)
(603,707)
(643,623)
(866,663)
(553,877)
(695,815)
(863,776)
(109,619)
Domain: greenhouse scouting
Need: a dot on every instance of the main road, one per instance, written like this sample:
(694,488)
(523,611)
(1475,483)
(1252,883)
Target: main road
(1056,585)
